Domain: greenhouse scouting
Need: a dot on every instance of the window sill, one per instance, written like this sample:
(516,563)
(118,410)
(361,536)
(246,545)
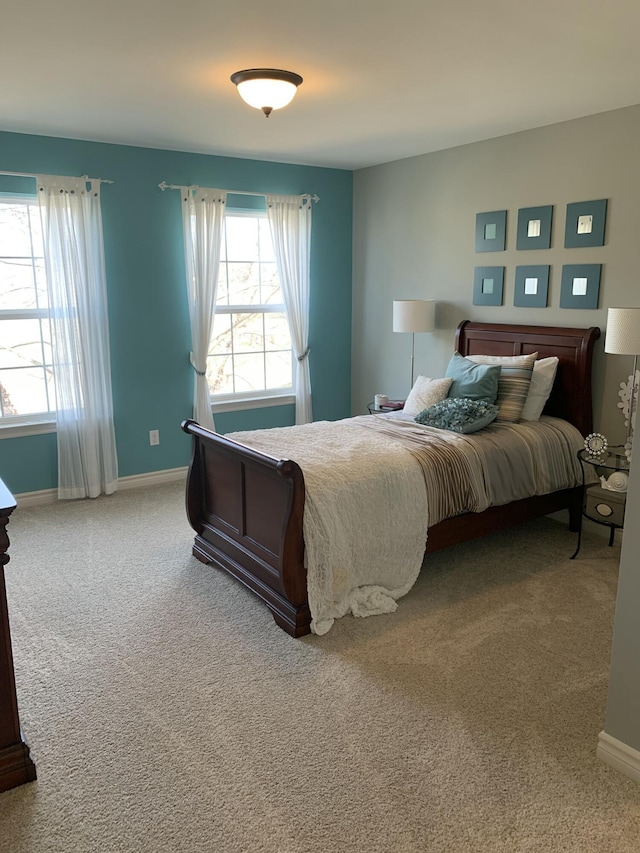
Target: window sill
(21,430)
(241,404)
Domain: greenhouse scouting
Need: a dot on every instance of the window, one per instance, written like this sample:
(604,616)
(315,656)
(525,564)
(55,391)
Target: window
(26,371)
(250,353)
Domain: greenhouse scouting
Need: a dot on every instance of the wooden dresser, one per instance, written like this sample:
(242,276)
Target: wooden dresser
(16,764)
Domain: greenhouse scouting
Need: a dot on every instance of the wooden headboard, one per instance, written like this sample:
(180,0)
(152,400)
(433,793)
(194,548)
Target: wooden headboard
(571,395)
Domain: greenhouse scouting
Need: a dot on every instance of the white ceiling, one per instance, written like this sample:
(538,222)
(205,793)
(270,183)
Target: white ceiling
(383,79)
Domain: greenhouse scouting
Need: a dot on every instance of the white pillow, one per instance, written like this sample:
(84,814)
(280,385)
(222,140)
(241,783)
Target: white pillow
(425,393)
(544,373)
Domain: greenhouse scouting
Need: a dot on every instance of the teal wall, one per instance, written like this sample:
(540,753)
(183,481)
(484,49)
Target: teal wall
(148,315)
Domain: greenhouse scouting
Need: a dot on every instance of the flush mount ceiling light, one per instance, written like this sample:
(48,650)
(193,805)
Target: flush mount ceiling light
(266,89)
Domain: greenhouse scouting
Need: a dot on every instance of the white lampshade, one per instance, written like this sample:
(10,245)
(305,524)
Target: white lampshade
(623,331)
(266,89)
(414,315)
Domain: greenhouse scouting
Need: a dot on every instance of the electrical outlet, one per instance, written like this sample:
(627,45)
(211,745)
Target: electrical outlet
(154,436)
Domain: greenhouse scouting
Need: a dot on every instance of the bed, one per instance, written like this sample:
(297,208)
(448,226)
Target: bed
(247,506)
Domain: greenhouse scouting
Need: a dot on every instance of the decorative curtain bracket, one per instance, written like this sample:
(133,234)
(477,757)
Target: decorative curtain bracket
(199,372)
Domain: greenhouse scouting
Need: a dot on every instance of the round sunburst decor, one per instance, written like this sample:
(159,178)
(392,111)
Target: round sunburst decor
(596,444)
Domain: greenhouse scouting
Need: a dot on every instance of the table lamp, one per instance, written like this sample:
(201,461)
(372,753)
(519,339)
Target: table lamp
(623,338)
(413,315)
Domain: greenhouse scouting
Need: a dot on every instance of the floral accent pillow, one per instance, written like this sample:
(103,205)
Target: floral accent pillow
(459,414)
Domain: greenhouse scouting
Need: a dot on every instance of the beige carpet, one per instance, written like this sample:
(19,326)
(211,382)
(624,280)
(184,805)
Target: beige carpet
(167,712)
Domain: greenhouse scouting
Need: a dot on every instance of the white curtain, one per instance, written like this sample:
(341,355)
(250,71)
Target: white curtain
(202,221)
(290,223)
(74,261)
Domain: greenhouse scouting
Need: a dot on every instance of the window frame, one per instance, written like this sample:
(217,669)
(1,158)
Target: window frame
(34,423)
(261,398)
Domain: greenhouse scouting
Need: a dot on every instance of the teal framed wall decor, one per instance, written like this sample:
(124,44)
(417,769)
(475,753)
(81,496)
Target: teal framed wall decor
(580,286)
(534,227)
(585,224)
(488,285)
(531,287)
(491,231)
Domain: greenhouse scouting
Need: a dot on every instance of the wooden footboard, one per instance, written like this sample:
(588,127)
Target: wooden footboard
(247,510)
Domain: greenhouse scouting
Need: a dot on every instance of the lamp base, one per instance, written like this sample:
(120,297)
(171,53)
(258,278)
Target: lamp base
(633,402)
(413,344)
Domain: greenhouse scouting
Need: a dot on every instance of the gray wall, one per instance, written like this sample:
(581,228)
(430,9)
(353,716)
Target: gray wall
(414,237)
(623,707)
(414,225)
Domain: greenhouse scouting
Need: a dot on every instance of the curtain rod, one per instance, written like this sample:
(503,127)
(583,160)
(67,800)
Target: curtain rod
(31,175)
(165,186)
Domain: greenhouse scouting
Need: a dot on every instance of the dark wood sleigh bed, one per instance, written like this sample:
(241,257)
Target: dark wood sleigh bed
(247,507)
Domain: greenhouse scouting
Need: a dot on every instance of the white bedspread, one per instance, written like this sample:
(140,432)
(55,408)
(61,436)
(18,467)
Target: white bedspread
(373,485)
(365,519)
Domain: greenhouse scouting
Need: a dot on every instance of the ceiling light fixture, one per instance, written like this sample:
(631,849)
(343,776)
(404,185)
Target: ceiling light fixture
(266,89)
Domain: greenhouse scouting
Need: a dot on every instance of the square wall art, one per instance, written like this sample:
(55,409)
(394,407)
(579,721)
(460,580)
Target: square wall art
(532,287)
(534,227)
(491,231)
(488,285)
(580,286)
(585,224)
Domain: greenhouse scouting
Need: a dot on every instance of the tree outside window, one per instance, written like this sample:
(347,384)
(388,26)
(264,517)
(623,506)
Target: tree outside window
(250,352)
(26,371)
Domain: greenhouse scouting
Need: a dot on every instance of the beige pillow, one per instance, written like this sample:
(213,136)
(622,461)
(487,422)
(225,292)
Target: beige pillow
(425,393)
(513,383)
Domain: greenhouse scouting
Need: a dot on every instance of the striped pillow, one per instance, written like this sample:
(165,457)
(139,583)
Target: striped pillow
(513,383)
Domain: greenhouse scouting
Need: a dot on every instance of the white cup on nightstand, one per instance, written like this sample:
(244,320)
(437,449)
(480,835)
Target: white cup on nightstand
(380,400)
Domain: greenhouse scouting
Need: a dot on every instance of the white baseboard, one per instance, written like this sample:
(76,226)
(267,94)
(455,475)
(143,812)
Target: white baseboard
(134,481)
(622,757)
(152,478)
(44,496)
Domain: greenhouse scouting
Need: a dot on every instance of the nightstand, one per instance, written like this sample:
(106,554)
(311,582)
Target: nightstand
(16,764)
(599,504)
(394,406)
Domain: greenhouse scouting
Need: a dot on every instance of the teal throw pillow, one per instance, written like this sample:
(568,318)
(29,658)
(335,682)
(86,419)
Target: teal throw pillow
(459,414)
(472,380)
